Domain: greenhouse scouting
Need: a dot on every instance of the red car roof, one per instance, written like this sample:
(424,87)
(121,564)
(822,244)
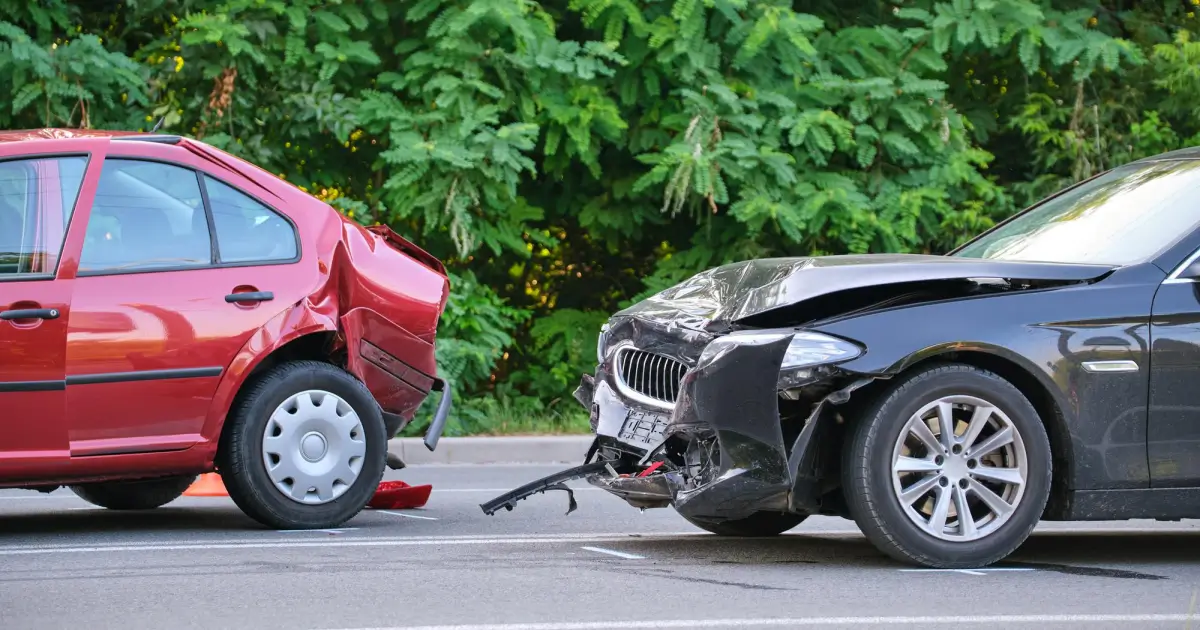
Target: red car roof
(21,135)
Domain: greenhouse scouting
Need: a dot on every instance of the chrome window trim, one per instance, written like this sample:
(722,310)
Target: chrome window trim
(1174,278)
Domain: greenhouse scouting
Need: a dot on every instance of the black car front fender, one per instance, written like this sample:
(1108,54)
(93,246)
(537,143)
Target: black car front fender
(1039,341)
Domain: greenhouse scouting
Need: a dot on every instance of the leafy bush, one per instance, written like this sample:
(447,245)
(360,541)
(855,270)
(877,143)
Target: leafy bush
(564,346)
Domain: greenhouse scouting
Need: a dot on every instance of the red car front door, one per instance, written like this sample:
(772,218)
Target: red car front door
(37,199)
(162,302)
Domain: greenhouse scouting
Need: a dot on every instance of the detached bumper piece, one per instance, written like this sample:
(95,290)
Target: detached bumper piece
(557,481)
(640,486)
(434,433)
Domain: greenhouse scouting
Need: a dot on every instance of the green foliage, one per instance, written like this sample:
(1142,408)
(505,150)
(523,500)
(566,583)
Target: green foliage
(506,411)
(477,328)
(57,85)
(568,157)
(564,346)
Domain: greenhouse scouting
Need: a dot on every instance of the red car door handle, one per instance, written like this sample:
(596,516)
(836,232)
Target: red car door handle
(29,313)
(251,297)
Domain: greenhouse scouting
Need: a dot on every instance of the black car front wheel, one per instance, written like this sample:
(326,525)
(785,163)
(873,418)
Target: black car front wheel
(757,525)
(950,469)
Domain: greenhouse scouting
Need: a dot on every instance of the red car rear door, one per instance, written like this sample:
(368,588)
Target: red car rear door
(178,270)
(38,196)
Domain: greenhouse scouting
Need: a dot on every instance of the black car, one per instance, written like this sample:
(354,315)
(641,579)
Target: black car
(1048,369)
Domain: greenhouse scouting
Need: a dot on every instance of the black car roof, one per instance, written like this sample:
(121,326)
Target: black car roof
(1190,153)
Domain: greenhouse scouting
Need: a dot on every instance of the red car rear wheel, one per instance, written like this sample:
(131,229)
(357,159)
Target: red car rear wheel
(305,447)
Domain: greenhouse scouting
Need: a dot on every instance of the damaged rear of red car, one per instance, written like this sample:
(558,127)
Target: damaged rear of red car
(167,309)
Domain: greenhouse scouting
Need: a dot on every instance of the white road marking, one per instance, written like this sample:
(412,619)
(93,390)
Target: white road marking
(436,490)
(983,571)
(323,531)
(611,552)
(423,518)
(499,490)
(551,466)
(1034,620)
(293,543)
(418,541)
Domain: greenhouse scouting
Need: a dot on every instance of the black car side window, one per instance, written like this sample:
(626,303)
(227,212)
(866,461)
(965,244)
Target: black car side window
(147,216)
(37,199)
(247,230)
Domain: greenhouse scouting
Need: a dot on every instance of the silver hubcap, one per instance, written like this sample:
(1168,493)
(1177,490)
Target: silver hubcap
(313,447)
(959,468)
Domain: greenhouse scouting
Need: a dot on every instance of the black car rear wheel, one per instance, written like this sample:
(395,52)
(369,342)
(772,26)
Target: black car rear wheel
(144,494)
(304,448)
(950,468)
(757,525)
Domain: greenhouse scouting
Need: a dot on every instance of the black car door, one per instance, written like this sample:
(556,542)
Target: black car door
(1173,433)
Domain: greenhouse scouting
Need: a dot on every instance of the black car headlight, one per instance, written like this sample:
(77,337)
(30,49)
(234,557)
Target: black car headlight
(809,349)
(809,355)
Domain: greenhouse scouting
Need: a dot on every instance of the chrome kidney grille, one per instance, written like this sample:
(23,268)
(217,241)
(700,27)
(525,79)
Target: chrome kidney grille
(648,375)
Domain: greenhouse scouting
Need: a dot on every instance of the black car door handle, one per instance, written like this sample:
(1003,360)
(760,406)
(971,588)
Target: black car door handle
(29,313)
(250,297)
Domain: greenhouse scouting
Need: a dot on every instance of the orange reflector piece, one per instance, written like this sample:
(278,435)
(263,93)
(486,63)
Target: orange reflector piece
(208,485)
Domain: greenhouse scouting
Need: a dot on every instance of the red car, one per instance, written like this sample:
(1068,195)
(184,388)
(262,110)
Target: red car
(167,309)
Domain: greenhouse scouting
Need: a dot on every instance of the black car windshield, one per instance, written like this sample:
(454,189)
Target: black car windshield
(1124,216)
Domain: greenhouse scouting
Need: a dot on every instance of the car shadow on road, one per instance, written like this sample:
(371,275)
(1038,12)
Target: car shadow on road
(1070,552)
(1104,553)
(1075,553)
(100,521)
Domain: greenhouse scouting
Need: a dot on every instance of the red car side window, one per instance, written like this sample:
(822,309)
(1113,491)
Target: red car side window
(146,216)
(37,199)
(248,231)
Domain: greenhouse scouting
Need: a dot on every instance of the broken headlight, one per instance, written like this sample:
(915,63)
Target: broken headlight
(809,348)
(809,356)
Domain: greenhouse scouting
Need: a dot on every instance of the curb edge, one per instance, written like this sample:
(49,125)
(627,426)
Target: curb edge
(534,449)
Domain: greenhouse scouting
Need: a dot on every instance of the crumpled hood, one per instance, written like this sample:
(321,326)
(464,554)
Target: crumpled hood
(713,299)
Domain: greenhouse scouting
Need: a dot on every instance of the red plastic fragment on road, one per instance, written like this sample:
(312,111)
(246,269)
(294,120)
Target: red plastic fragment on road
(397,495)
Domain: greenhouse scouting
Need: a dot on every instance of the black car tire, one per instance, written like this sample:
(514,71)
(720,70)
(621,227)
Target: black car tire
(144,494)
(867,470)
(757,525)
(243,465)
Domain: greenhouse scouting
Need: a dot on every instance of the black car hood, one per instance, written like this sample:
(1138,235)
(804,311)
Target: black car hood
(713,300)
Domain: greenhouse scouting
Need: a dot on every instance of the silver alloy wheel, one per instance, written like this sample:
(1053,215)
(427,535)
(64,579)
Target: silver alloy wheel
(964,483)
(313,447)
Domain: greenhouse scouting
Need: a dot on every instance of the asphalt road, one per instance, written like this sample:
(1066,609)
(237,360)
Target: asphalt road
(198,563)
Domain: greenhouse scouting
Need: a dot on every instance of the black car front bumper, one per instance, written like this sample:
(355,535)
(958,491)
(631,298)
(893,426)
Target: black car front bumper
(731,445)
